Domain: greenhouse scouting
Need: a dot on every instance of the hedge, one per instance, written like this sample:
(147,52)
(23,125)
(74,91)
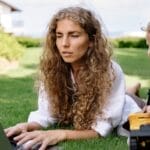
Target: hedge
(29,41)
(127,42)
(9,47)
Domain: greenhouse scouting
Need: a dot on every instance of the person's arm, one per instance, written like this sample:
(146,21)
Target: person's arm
(52,137)
(80,134)
(42,115)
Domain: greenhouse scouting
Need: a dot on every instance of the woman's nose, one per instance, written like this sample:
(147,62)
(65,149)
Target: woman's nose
(65,41)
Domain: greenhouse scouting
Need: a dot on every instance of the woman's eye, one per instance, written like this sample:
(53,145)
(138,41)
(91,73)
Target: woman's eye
(58,36)
(74,35)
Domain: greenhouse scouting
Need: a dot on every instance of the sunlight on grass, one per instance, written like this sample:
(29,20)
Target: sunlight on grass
(130,80)
(4,101)
(21,72)
(132,53)
(136,66)
(28,64)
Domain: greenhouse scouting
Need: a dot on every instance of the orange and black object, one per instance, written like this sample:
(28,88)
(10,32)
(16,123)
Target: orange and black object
(140,129)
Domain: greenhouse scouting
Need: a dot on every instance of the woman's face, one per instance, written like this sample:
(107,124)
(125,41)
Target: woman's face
(72,41)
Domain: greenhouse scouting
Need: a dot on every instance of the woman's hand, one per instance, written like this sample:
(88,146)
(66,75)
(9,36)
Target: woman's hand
(17,129)
(44,138)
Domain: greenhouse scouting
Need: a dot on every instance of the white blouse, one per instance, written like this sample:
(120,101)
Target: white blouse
(115,112)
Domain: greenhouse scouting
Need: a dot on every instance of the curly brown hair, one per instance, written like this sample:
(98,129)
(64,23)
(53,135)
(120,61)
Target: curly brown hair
(77,104)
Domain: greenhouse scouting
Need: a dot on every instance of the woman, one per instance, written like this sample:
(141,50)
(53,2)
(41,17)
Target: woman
(79,84)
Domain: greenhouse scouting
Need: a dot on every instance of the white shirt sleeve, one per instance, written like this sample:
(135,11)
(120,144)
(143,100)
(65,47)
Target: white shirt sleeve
(130,106)
(42,116)
(112,112)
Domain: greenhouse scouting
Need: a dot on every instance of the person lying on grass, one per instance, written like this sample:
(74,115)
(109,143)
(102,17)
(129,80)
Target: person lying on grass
(80,85)
(147,30)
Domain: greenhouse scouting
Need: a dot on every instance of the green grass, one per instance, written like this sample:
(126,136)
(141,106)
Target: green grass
(18,97)
(109,143)
(136,65)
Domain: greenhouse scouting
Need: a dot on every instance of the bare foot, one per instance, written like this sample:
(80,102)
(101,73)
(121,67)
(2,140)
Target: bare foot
(134,89)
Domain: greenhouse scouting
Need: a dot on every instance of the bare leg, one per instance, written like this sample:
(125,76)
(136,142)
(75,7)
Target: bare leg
(133,92)
(134,89)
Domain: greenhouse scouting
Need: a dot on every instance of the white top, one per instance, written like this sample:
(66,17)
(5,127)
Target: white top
(116,111)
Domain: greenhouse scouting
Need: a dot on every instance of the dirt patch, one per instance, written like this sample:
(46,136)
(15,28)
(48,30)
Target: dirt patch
(6,65)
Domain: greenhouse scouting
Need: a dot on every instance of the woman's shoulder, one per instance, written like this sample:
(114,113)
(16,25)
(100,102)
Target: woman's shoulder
(116,67)
(117,71)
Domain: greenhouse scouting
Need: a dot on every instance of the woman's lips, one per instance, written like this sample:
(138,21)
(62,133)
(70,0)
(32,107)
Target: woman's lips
(66,54)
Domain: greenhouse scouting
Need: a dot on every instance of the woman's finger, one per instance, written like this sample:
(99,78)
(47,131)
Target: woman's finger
(34,144)
(12,131)
(23,138)
(44,145)
(17,138)
(7,130)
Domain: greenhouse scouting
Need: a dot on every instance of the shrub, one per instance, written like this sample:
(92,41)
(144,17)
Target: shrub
(9,47)
(29,41)
(127,42)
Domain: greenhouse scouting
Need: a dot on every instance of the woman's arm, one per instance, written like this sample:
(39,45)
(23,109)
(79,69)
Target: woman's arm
(80,134)
(52,137)
(43,114)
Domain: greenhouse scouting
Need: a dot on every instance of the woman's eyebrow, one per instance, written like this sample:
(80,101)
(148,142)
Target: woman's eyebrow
(58,32)
(70,32)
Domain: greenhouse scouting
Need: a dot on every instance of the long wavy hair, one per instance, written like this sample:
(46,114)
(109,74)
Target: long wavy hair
(77,104)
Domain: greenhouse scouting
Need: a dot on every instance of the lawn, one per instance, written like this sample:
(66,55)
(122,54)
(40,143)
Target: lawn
(136,66)
(18,96)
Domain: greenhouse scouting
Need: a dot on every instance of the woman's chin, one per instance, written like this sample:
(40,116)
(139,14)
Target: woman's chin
(67,60)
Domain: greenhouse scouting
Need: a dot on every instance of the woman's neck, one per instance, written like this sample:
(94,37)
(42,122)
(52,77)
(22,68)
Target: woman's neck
(75,70)
(76,67)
